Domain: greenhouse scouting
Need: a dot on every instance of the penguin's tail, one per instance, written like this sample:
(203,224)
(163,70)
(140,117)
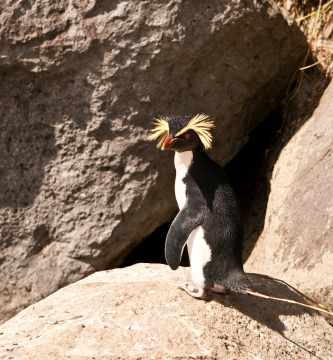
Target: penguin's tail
(238,282)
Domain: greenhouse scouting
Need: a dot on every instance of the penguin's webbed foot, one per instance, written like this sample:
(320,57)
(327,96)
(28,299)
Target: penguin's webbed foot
(199,294)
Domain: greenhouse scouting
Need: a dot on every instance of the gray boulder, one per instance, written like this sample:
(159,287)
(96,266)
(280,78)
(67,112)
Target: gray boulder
(139,313)
(80,84)
(296,243)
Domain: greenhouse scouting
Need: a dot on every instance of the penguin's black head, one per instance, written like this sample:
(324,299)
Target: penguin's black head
(183,133)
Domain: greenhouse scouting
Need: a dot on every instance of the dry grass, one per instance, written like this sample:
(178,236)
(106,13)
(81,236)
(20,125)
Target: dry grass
(318,306)
(315,19)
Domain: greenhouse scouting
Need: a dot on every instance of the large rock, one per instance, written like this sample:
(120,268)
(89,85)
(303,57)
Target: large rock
(297,241)
(139,313)
(80,84)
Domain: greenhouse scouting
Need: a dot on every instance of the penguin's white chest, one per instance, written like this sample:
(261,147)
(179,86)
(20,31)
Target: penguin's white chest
(198,249)
(182,164)
(199,253)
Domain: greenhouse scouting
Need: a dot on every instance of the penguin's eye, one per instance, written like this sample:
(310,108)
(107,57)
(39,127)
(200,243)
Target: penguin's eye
(186,135)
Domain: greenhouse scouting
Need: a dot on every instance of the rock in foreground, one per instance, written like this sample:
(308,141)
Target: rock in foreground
(138,312)
(80,84)
(296,244)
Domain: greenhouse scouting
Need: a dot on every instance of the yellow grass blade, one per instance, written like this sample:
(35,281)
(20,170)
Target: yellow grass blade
(289,301)
(321,307)
(318,62)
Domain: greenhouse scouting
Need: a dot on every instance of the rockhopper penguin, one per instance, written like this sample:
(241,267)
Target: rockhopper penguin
(209,220)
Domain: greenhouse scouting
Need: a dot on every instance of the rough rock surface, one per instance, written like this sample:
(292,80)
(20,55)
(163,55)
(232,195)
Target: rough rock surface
(139,313)
(80,84)
(296,243)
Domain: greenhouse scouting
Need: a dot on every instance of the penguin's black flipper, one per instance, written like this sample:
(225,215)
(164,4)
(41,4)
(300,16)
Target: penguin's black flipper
(185,222)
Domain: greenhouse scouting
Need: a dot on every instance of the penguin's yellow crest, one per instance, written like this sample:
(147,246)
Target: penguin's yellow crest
(160,131)
(200,123)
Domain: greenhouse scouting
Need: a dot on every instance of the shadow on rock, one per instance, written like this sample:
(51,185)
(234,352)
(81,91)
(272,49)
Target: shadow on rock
(265,311)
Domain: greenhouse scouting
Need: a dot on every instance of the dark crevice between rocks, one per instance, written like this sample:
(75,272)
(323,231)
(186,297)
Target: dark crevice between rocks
(151,250)
(250,173)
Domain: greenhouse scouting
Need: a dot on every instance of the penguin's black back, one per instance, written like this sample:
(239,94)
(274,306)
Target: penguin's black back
(208,188)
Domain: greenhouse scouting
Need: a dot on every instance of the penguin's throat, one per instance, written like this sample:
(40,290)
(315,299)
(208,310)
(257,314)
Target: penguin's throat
(183,160)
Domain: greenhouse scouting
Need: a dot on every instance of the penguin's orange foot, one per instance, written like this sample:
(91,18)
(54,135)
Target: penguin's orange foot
(200,294)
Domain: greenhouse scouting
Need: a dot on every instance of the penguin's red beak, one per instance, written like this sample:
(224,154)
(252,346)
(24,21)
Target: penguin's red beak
(168,143)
